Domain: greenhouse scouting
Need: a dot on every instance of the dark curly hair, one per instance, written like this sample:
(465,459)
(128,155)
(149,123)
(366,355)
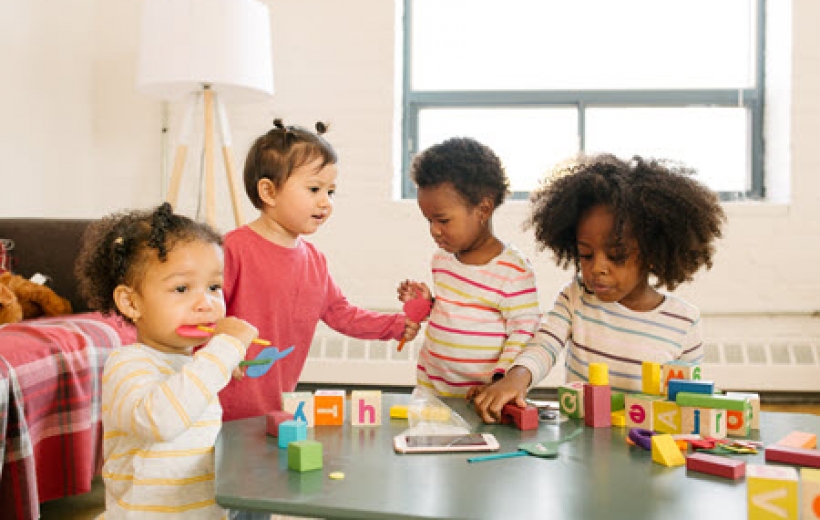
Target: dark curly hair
(474,170)
(115,249)
(281,150)
(674,218)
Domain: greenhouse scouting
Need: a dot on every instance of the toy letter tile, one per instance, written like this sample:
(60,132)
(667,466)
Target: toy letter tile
(571,399)
(366,407)
(305,455)
(666,417)
(329,407)
(725,467)
(665,451)
(638,409)
(597,406)
(651,378)
(300,404)
(274,419)
(292,431)
(754,401)
(810,493)
(771,492)
(678,370)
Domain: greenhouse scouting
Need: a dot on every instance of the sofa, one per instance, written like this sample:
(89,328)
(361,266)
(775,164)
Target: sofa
(50,376)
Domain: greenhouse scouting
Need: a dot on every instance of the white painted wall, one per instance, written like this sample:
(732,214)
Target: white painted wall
(79,141)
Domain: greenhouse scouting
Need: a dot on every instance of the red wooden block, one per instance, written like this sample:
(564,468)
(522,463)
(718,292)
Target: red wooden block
(791,455)
(523,418)
(716,465)
(274,419)
(597,405)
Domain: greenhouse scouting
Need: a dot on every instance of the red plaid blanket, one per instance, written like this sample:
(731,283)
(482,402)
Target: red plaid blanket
(50,393)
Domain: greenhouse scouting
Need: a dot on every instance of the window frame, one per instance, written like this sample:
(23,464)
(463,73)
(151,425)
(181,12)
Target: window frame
(751,98)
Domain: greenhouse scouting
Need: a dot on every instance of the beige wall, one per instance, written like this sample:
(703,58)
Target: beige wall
(78,141)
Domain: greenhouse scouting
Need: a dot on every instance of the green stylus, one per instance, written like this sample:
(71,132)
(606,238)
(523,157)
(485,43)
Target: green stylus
(249,362)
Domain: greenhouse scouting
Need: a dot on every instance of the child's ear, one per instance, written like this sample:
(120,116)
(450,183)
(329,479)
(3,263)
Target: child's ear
(486,208)
(125,302)
(267,191)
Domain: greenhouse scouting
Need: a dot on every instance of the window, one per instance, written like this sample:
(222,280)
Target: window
(541,80)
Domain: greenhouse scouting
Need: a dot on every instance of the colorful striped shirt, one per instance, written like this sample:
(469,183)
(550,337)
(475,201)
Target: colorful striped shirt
(161,416)
(600,332)
(482,318)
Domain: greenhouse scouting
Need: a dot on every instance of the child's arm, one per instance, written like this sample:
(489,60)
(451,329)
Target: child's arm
(147,399)
(343,317)
(521,314)
(489,400)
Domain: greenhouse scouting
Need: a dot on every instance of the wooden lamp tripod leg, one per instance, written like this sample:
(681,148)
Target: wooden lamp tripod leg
(182,149)
(227,156)
(210,189)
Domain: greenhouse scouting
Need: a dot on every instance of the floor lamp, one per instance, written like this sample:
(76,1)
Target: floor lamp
(204,51)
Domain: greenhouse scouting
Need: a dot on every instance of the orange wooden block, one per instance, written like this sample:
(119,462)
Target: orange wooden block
(329,407)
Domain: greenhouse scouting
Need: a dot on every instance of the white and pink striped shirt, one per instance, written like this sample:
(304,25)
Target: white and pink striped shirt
(482,318)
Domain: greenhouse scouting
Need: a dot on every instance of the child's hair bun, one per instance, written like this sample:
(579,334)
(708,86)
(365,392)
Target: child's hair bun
(321,127)
(278,123)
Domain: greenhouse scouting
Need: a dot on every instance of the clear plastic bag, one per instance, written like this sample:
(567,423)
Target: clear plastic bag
(427,414)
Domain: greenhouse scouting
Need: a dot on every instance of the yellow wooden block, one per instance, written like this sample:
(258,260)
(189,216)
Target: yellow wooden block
(665,417)
(651,378)
(618,418)
(598,374)
(665,451)
(398,411)
(771,492)
(810,493)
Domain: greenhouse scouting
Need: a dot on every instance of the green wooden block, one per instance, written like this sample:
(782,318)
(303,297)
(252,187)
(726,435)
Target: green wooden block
(712,401)
(618,400)
(305,455)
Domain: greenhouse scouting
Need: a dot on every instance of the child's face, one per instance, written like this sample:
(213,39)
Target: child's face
(455,225)
(186,289)
(614,274)
(305,200)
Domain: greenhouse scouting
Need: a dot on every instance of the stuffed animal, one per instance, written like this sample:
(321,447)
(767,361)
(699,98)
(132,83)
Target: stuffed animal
(22,299)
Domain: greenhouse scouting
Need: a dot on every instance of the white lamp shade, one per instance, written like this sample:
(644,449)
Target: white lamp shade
(190,43)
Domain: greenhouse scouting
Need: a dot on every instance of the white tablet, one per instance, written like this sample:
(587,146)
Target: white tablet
(445,443)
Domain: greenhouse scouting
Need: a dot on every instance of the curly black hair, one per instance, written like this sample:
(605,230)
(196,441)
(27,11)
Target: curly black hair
(473,169)
(281,150)
(674,218)
(114,250)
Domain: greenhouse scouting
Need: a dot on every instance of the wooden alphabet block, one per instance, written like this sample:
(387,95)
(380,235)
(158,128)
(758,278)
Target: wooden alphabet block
(300,404)
(796,456)
(686,385)
(597,406)
(771,492)
(523,418)
(651,378)
(398,411)
(799,440)
(810,493)
(366,407)
(292,431)
(618,401)
(666,417)
(738,410)
(725,467)
(678,370)
(638,409)
(305,455)
(274,419)
(706,422)
(329,407)
(571,399)
(665,451)
(754,401)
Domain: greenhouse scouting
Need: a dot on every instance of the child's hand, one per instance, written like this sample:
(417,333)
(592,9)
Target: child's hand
(238,328)
(490,399)
(410,289)
(238,373)
(411,329)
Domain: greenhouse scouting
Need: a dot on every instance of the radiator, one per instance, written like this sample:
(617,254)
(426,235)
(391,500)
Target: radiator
(779,364)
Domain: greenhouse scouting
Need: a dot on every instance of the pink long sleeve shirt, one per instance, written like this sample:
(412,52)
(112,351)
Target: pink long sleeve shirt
(284,292)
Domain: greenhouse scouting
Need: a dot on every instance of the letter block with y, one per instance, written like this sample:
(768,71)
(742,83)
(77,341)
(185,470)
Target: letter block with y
(300,404)
(366,407)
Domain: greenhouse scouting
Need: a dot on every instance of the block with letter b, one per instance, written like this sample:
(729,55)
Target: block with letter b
(366,407)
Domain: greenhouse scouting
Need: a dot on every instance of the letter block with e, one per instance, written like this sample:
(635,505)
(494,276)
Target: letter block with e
(638,409)
(571,399)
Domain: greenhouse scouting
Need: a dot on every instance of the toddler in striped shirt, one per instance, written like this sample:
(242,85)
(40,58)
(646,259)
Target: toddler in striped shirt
(160,409)
(628,228)
(486,304)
